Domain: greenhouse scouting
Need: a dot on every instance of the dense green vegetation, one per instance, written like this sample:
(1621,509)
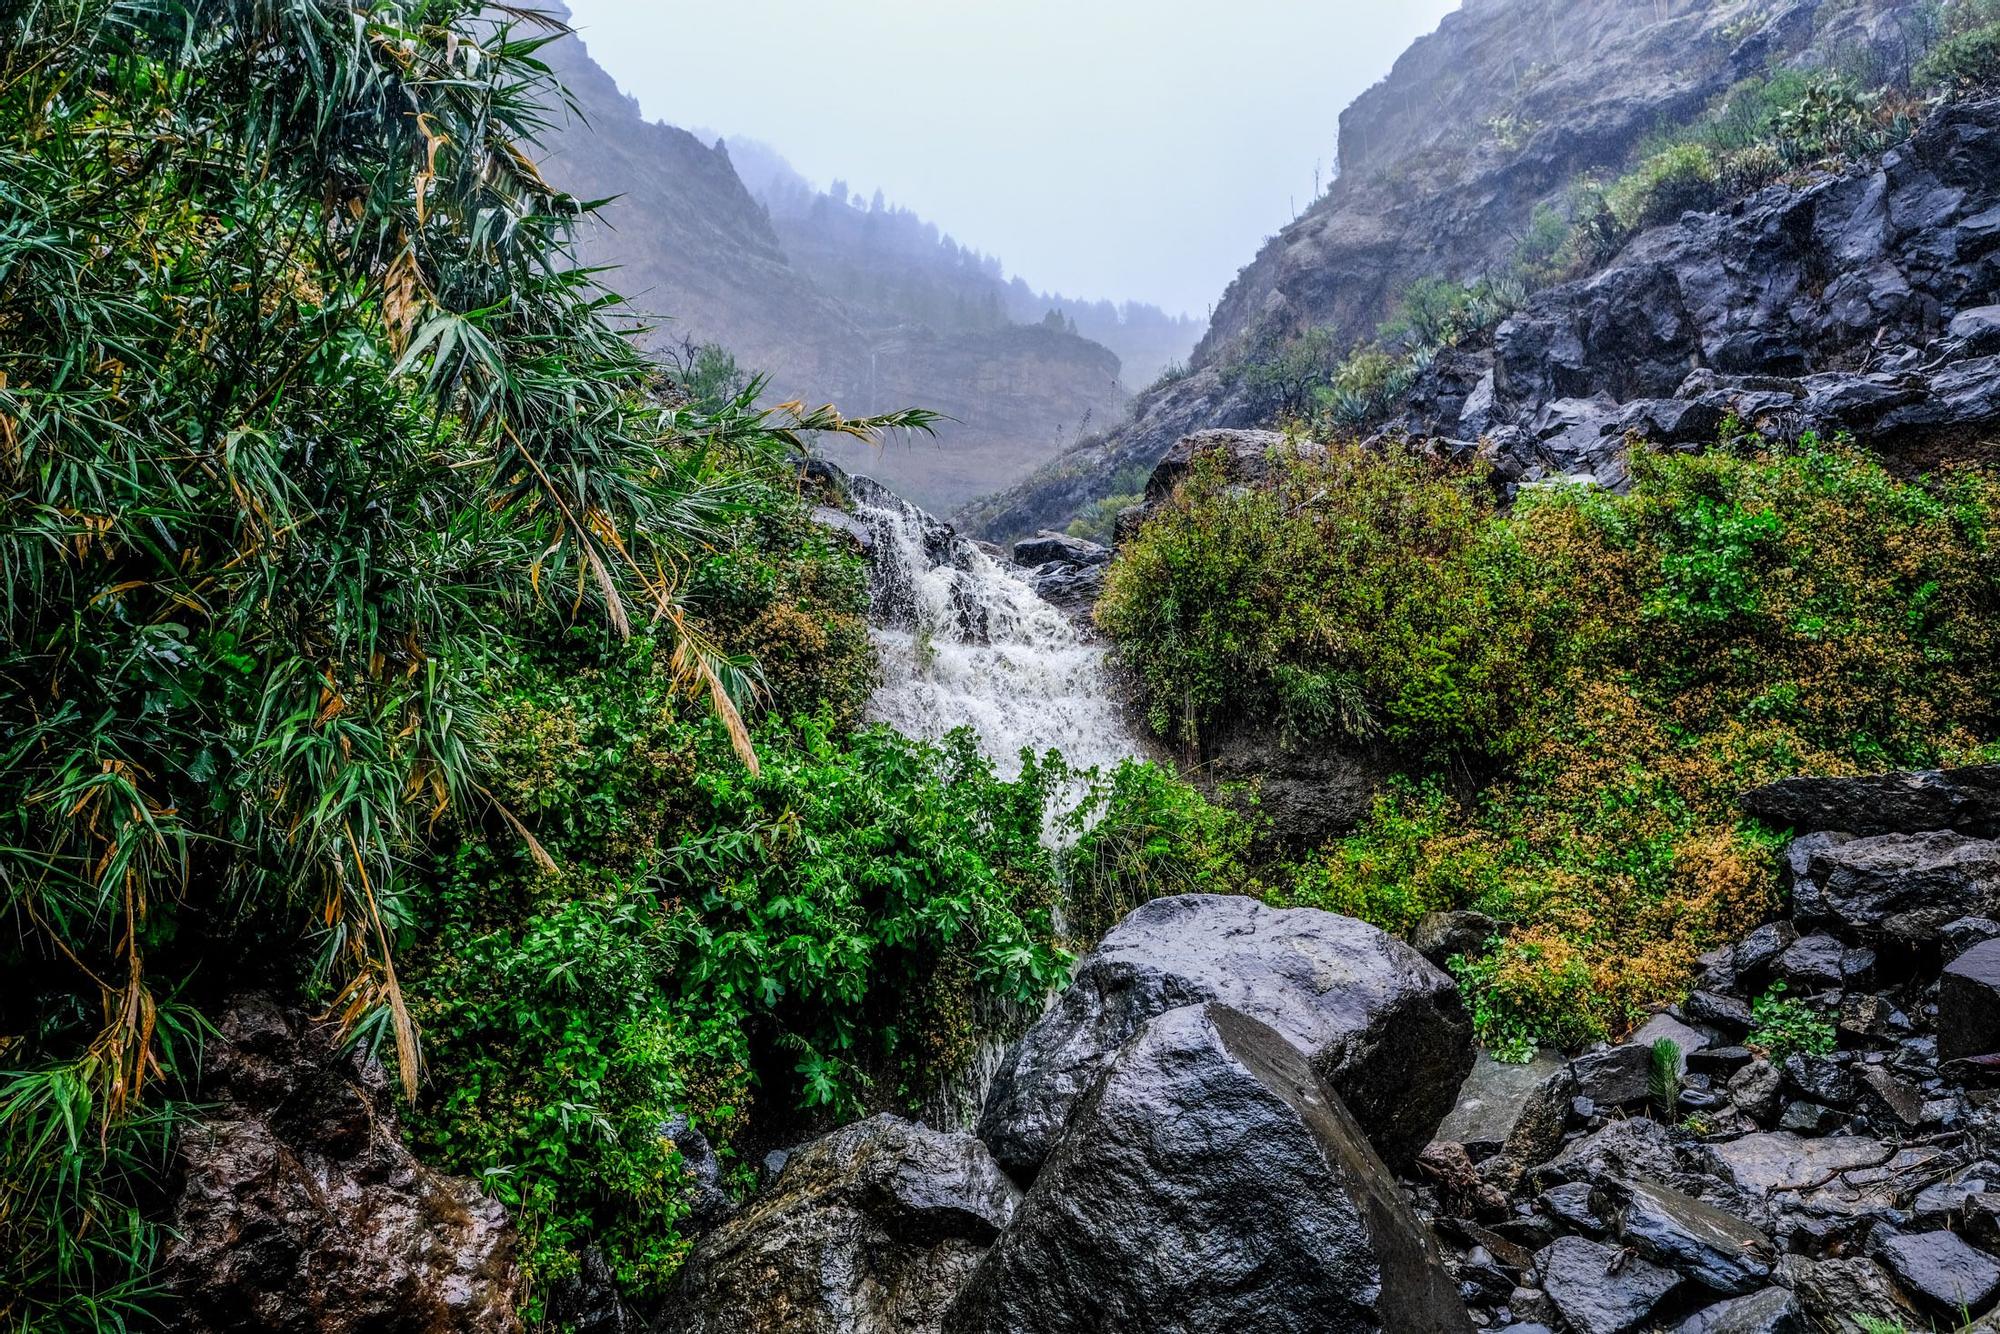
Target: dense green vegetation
(384,632)
(1612,670)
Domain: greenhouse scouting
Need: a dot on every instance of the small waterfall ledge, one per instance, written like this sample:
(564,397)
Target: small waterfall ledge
(965,642)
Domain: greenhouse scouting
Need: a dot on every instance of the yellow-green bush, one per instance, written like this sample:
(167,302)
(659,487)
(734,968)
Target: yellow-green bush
(1624,666)
(1671,182)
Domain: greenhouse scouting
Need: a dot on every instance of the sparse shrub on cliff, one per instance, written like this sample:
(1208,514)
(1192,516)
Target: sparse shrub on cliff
(1681,179)
(1622,665)
(1967,62)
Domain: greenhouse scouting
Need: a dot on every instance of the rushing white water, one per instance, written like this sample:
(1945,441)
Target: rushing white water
(965,642)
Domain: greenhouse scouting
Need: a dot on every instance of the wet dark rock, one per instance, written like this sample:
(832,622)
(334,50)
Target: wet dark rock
(1622,1150)
(1714,1248)
(1836,1290)
(1978,330)
(1965,800)
(873,1227)
(1614,1076)
(1796,875)
(1890,1103)
(1772,1311)
(1211,1182)
(1813,962)
(1905,887)
(1047,548)
(1461,1190)
(589,1302)
(1305,794)
(1845,1176)
(1756,1089)
(1727,1013)
(1809,1118)
(1492,1100)
(1961,935)
(301,1211)
(1072,589)
(1756,952)
(1871,1017)
(1969,1003)
(1573,1204)
(1943,1202)
(1544,1119)
(1385,1028)
(1940,1270)
(1483,1279)
(1821,1079)
(1719,1062)
(1600,1289)
(1440,935)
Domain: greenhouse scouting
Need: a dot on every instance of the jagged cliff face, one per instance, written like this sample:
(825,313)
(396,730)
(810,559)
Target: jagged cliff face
(697,253)
(1443,164)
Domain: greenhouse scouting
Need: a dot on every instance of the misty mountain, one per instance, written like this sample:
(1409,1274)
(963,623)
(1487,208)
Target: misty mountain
(890,264)
(869,307)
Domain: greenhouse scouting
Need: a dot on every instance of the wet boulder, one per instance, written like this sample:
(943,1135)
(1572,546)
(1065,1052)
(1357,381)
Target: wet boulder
(1047,548)
(1600,1289)
(1969,1003)
(302,1212)
(1966,800)
(1903,887)
(1493,1100)
(1772,1311)
(1940,1270)
(1385,1028)
(1715,1249)
(1211,1181)
(1833,1292)
(872,1228)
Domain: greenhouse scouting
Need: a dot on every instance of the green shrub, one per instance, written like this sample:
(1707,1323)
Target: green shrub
(1620,666)
(817,934)
(1681,179)
(1782,1025)
(1378,576)
(1968,62)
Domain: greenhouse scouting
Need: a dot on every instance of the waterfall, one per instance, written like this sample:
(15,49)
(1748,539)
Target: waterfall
(965,642)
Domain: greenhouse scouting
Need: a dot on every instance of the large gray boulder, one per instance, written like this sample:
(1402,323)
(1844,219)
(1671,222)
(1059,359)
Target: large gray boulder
(1899,887)
(1385,1028)
(1211,1183)
(870,1230)
(1966,800)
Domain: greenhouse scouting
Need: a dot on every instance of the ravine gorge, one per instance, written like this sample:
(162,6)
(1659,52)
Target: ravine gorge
(1470,803)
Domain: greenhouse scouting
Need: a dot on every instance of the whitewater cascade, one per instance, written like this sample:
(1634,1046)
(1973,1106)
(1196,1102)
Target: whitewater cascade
(965,642)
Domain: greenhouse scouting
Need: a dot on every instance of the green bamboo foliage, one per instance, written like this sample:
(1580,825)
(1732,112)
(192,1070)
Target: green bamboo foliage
(304,405)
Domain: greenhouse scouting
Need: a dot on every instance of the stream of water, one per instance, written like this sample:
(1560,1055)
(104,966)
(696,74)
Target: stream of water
(965,642)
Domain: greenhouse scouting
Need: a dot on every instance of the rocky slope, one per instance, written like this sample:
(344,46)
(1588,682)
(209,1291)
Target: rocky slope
(1442,167)
(695,251)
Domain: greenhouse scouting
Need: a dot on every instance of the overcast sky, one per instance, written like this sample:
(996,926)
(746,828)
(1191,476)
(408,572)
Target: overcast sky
(1132,149)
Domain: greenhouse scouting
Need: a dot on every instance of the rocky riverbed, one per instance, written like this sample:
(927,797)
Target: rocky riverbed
(1243,1118)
